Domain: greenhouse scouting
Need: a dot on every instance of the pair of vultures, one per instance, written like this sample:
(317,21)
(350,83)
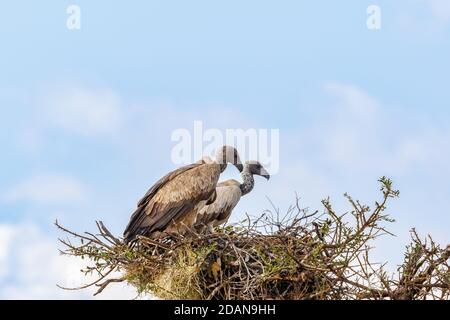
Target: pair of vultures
(190,197)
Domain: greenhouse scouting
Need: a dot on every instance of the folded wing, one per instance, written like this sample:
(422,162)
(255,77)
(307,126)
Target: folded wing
(228,194)
(172,200)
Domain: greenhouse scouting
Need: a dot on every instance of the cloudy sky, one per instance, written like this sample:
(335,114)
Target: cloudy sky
(86,116)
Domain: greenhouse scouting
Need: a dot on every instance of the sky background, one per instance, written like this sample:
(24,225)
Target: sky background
(86,115)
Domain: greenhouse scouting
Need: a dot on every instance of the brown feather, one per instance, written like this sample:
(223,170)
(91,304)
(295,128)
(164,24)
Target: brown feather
(170,203)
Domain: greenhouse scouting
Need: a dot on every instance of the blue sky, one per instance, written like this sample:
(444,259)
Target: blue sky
(87,115)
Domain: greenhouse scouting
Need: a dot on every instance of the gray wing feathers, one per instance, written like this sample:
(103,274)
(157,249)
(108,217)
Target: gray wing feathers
(227,198)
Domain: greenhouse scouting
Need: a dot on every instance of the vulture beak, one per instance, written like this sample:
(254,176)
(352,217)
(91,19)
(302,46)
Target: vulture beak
(263,173)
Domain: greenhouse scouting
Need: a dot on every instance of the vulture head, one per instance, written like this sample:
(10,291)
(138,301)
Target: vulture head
(228,154)
(256,168)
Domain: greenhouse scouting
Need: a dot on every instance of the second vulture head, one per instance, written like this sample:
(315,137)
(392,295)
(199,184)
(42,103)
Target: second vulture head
(256,168)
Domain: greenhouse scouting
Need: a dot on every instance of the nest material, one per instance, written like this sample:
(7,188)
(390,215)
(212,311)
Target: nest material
(301,255)
(230,264)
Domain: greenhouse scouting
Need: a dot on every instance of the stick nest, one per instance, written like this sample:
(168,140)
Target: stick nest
(296,255)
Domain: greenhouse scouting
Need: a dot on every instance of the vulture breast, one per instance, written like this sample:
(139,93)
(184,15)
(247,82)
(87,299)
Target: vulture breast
(228,194)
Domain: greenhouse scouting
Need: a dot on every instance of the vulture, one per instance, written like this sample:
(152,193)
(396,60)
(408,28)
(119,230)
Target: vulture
(171,205)
(228,194)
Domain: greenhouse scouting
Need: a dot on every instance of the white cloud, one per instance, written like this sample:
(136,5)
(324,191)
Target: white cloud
(83,111)
(6,236)
(47,189)
(440,9)
(73,110)
(357,132)
(424,17)
(348,132)
(353,102)
(35,267)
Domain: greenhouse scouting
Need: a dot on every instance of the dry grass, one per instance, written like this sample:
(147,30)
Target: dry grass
(297,255)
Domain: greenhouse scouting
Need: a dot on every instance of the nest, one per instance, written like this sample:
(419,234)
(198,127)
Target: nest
(297,255)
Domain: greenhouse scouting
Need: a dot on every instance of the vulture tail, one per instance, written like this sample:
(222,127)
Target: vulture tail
(134,227)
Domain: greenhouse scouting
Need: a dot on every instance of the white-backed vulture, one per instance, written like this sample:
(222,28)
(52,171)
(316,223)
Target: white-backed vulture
(228,194)
(171,205)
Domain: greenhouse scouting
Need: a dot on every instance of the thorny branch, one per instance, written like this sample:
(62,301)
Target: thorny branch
(298,255)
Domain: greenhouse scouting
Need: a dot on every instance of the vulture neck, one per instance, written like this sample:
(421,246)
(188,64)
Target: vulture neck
(222,166)
(248,182)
